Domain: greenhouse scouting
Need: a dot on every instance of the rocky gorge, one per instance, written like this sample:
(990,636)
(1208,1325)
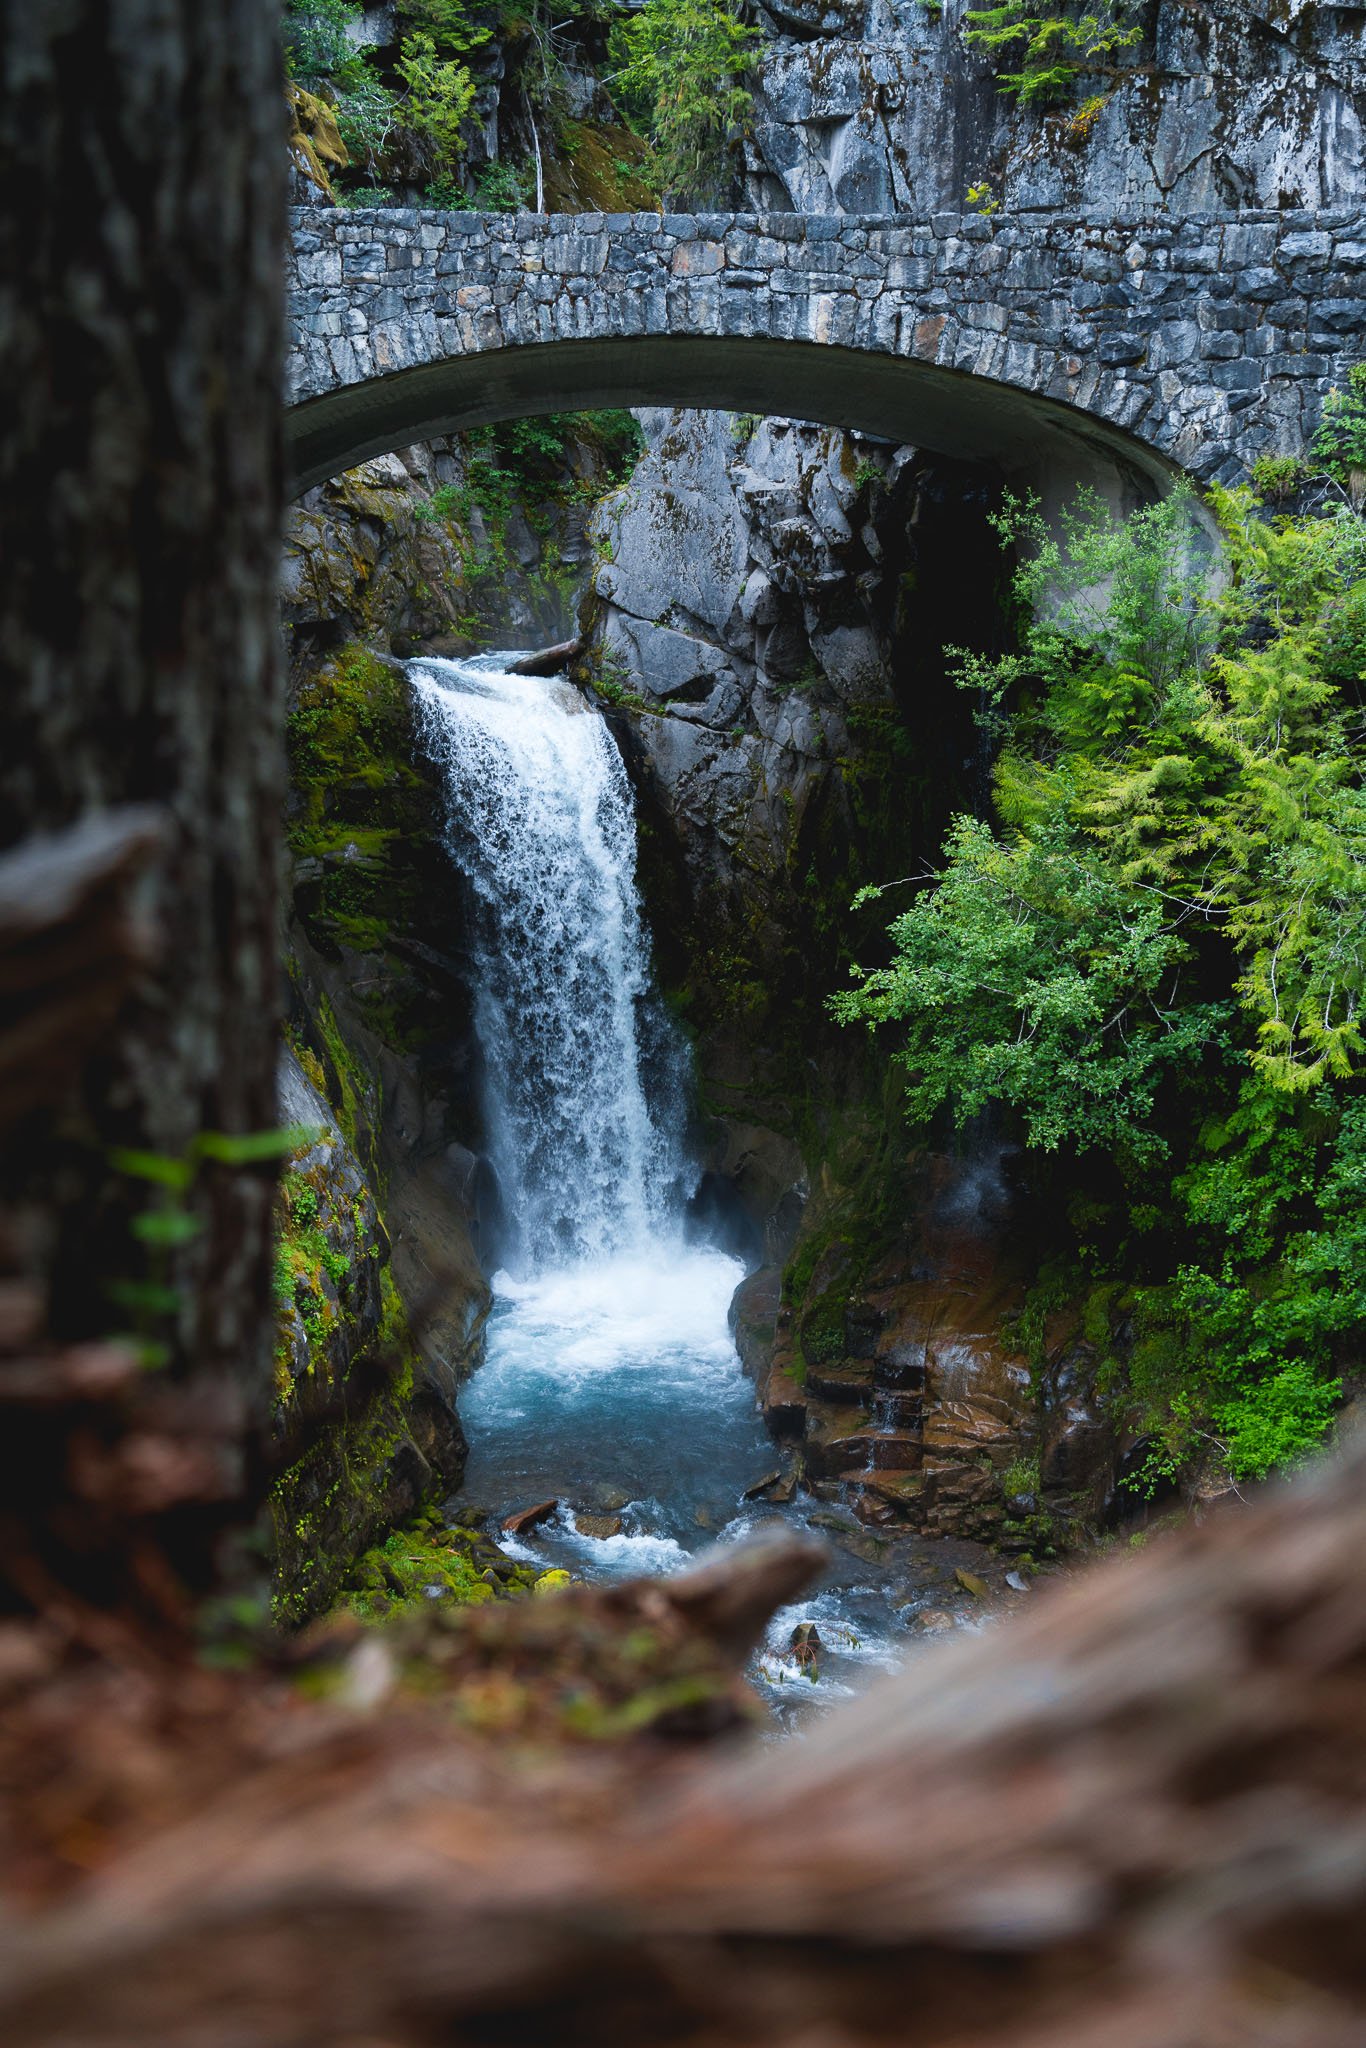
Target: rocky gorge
(762,609)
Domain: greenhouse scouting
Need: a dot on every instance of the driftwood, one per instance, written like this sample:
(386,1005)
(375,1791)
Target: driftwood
(1134,1817)
(547,661)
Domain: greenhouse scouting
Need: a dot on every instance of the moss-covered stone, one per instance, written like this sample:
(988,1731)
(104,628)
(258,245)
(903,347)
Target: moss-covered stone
(428,1561)
(366,1440)
(598,167)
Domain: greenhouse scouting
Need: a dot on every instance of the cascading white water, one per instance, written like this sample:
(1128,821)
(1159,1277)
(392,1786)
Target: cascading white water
(540,820)
(610,1379)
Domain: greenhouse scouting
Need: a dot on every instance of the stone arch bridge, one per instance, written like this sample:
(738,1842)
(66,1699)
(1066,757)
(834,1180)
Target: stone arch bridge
(1065,348)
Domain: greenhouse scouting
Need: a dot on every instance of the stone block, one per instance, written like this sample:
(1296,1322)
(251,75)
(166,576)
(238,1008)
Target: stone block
(1339,317)
(697,259)
(1310,247)
(1117,349)
(1224,347)
(1239,376)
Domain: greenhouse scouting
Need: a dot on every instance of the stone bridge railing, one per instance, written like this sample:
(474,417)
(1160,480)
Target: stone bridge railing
(1195,343)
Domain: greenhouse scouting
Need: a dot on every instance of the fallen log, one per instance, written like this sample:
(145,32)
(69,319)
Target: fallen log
(1133,1816)
(547,661)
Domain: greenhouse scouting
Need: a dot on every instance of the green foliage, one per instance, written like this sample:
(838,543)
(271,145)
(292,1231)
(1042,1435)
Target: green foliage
(1340,443)
(367,114)
(521,464)
(440,92)
(1053,50)
(452,25)
(315,39)
(1021,1479)
(1158,956)
(1031,976)
(504,187)
(426,91)
(682,78)
(1278,477)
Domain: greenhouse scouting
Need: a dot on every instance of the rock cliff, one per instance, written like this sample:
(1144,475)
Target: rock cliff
(1223,104)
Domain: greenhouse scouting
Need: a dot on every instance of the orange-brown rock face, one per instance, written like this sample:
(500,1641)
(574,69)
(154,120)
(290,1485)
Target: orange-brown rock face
(907,1390)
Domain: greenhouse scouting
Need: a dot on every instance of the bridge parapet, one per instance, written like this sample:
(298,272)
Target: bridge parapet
(1206,341)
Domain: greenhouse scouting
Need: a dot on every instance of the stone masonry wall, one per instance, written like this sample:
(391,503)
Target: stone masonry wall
(1211,339)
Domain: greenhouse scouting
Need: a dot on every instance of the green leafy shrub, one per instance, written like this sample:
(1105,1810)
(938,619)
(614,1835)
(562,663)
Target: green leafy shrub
(440,92)
(1278,477)
(367,116)
(1154,959)
(1340,443)
(316,43)
(1053,50)
(682,77)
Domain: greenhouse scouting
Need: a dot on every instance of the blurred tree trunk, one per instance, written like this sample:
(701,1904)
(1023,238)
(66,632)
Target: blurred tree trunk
(143,163)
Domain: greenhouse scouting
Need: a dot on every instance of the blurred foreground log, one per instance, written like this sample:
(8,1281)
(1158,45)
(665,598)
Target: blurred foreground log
(1134,1817)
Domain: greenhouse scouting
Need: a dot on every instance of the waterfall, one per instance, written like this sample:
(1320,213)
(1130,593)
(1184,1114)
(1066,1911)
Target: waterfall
(539,818)
(610,1386)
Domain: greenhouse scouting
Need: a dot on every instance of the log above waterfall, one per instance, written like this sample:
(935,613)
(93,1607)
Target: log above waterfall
(547,661)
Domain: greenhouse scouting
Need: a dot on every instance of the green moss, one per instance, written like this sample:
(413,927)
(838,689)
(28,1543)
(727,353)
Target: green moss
(333,1494)
(364,818)
(349,1091)
(401,1571)
(858,1205)
(598,168)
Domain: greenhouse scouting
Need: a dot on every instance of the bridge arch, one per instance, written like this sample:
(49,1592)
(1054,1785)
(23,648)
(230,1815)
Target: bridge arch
(1065,349)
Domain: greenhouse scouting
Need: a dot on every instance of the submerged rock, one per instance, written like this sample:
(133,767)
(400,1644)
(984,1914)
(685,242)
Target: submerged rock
(598,1526)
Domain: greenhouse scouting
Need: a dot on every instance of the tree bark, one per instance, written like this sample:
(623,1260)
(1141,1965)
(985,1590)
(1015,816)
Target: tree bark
(143,164)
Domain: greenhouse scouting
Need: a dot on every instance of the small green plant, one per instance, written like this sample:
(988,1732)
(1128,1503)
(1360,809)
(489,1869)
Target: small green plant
(981,199)
(504,187)
(171,1223)
(1053,50)
(1278,477)
(867,474)
(1339,446)
(366,195)
(1022,1479)
(1084,120)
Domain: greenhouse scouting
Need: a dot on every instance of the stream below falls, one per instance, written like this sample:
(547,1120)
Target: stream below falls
(611,1382)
